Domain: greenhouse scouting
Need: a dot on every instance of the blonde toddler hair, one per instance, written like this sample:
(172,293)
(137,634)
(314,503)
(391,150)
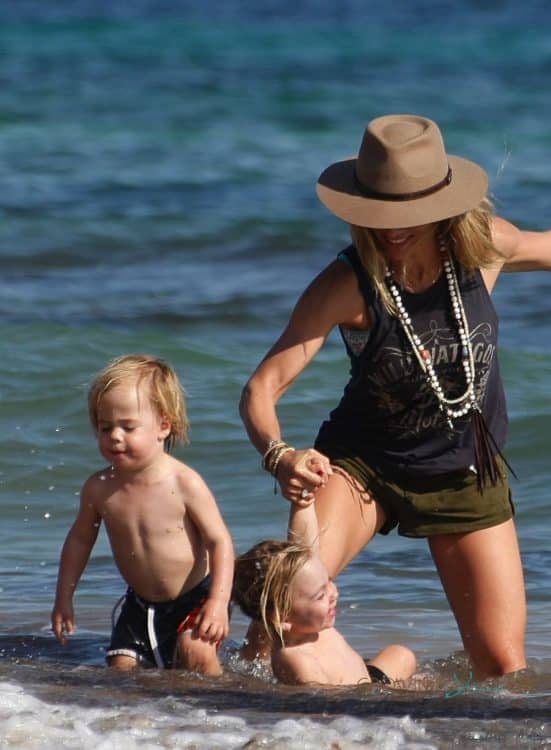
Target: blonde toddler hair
(164,390)
(263,578)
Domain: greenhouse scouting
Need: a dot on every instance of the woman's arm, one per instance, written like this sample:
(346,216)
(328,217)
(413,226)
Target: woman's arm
(331,299)
(522,251)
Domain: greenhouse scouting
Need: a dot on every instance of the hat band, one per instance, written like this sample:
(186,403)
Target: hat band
(403,196)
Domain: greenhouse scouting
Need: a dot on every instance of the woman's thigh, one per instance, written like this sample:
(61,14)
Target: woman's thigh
(348,518)
(482,575)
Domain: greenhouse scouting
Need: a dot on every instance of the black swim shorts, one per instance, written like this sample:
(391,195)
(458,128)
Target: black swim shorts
(147,631)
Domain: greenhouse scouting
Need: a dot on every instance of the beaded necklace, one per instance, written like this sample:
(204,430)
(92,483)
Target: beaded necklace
(452,408)
(485,446)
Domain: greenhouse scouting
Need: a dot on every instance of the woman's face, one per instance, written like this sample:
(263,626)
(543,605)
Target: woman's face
(401,245)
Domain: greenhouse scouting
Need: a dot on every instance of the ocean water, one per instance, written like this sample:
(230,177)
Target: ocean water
(157,171)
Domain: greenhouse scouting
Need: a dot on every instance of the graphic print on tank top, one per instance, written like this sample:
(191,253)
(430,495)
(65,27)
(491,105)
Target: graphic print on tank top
(399,389)
(388,412)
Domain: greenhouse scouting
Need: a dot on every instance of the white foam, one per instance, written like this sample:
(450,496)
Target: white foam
(30,723)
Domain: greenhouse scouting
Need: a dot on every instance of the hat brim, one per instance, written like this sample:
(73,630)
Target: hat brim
(338,191)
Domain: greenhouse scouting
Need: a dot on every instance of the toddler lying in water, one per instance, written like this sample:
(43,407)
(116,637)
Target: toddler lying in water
(285,587)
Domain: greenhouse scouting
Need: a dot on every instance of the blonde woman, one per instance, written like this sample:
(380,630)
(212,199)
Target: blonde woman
(416,441)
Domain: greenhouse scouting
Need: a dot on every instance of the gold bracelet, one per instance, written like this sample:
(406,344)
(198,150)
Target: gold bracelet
(271,458)
(273,468)
(274,456)
(272,446)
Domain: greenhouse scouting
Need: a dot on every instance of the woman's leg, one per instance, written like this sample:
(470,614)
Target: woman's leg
(482,575)
(348,519)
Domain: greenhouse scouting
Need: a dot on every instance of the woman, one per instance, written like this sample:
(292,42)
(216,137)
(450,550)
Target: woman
(416,439)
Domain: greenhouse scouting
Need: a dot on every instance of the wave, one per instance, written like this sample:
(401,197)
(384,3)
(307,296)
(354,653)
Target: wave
(39,661)
(53,701)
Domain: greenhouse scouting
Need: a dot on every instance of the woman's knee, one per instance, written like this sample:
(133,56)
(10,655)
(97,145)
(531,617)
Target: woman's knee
(482,575)
(499,655)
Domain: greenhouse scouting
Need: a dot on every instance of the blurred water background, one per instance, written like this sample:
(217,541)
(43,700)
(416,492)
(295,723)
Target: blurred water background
(157,171)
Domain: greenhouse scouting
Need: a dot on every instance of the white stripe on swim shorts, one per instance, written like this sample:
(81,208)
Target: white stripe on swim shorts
(152,635)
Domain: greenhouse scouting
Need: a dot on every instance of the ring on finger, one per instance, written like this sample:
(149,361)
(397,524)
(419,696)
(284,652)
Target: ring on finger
(304,494)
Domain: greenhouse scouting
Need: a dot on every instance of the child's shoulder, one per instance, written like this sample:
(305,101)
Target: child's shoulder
(297,665)
(286,664)
(99,478)
(99,484)
(188,479)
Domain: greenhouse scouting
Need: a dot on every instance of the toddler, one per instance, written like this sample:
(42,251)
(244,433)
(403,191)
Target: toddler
(285,588)
(167,536)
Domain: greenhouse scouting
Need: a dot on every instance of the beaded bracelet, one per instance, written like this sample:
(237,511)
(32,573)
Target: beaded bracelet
(272,457)
(284,449)
(272,446)
(273,468)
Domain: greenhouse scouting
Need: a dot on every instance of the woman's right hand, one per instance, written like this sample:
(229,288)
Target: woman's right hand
(300,473)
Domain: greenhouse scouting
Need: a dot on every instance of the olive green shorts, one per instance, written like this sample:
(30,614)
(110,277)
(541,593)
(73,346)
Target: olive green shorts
(445,504)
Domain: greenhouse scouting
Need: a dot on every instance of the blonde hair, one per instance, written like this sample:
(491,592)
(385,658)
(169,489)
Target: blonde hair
(468,236)
(263,578)
(164,390)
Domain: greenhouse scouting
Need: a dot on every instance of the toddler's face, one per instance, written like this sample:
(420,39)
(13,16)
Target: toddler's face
(314,596)
(131,433)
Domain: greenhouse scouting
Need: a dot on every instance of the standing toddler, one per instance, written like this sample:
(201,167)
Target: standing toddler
(167,536)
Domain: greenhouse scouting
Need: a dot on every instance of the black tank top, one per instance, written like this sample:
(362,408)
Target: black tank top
(389,415)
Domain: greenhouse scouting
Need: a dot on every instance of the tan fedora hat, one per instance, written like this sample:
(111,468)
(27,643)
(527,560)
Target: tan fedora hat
(402,177)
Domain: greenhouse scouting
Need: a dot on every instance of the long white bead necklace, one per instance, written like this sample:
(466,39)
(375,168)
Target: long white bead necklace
(452,408)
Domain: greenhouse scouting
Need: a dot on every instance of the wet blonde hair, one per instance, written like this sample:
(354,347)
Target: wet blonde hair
(263,578)
(164,391)
(468,236)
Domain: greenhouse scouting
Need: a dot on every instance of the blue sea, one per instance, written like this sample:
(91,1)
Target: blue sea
(157,170)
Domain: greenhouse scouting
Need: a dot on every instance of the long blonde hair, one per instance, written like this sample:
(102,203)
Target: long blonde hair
(263,578)
(468,236)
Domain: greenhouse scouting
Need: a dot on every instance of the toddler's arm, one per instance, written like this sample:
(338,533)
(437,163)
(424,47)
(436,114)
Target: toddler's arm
(74,556)
(303,525)
(212,623)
